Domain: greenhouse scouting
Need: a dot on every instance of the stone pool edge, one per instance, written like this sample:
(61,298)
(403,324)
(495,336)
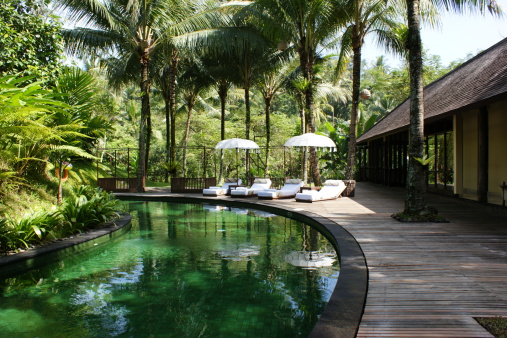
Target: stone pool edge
(70,245)
(343,312)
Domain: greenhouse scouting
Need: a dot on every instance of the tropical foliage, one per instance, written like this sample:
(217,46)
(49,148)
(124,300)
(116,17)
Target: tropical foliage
(31,44)
(85,209)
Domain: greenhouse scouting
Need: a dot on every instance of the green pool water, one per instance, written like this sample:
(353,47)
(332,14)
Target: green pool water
(183,270)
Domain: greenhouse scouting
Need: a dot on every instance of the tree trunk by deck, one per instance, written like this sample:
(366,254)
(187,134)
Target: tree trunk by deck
(145,112)
(356,84)
(415,200)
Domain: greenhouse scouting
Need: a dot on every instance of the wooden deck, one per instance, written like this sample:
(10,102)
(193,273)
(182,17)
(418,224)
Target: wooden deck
(425,279)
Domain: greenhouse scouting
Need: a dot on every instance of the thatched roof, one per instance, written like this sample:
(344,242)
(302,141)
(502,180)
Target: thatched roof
(479,81)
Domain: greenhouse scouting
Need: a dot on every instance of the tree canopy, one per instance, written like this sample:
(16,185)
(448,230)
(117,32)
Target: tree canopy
(30,40)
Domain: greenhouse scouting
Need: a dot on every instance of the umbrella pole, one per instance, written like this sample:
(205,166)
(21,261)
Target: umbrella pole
(205,163)
(237,165)
(304,161)
(283,165)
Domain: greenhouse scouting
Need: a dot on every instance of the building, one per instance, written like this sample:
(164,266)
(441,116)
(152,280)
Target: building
(465,131)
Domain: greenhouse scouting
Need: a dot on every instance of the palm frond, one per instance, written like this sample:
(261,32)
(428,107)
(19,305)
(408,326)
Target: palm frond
(86,11)
(71,151)
(344,55)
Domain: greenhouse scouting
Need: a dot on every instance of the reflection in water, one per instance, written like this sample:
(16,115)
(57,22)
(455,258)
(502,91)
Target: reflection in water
(183,271)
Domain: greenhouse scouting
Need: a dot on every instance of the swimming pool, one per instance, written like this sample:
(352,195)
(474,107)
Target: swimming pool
(191,270)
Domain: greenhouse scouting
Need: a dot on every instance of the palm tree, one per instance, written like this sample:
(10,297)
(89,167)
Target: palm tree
(296,86)
(217,64)
(269,84)
(192,82)
(304,25)
(132,31)
(415,199)
(324,92)
(164,73)
(366,16)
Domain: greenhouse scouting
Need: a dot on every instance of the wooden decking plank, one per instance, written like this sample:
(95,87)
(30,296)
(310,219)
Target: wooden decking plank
(426,279)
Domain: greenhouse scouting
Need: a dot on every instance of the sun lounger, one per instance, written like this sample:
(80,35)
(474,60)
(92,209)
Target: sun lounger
(217,191)
(258,185)
(289,189)
(332,189)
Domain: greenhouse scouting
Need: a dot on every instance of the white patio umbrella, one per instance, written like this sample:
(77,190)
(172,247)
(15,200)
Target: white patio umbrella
(237,143)
(311,140)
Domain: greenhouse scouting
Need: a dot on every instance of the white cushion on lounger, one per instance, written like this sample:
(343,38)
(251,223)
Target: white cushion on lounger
(258,185)
(289,189)
(331,189)
(216,191)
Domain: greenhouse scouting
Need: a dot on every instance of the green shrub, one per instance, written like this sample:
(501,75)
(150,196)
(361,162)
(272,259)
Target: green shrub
(84,209)
(37,228)
(87,208)
(7,235)
(34,229)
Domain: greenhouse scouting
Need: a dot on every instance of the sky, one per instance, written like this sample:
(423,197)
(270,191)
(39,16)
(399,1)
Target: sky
(458,36)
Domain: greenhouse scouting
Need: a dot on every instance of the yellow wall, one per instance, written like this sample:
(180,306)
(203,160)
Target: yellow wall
(466,152)
(470,155)
(497,173)
(458,154)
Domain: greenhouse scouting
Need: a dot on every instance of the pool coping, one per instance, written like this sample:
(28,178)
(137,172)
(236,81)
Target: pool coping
(26,260)
(343,312)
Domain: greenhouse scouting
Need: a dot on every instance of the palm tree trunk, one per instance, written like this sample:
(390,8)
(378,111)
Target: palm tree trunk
(223,97)
(145,112)
(415,200)
(247,126)
(267,103)
(248,122)
(59,195)
(222,93)
(356,84)
(172,105)
(168,134)
(302,117)
(306,61)
(148,139)
(191,102)
(314,158)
